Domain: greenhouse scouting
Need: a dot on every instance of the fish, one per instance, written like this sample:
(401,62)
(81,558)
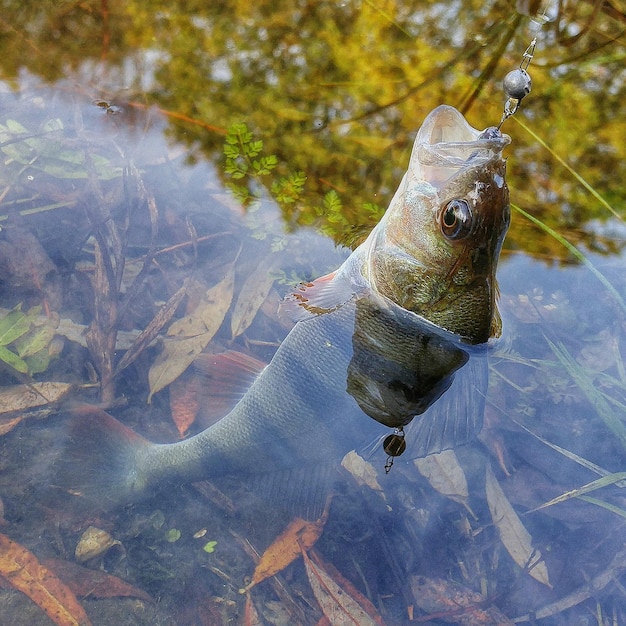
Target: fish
(377,343)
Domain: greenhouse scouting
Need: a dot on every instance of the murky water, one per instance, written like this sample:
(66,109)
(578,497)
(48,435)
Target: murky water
(125,217)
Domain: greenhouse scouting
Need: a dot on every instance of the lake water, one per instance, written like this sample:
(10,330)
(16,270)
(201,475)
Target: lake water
(125,217)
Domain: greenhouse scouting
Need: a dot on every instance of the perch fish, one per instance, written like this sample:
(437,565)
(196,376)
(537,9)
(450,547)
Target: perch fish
(378,345)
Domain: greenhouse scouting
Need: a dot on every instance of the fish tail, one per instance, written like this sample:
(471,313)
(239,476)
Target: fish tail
(102,460)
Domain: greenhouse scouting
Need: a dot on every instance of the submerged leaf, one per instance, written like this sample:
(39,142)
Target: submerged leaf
(188,336)
(253,294)
(339,604)
(298,536)
(10,358)
(209,547)
(362,471)
(35,344)
(445,474)
(38,362)
(9,425)
(31,343)
(13,326)
(23,397)
(14,126)
(514,536)
(22,569)
(29,335)
(250,615)
(48,154)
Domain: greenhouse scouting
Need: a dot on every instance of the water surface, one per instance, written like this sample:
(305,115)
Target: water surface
(117,197)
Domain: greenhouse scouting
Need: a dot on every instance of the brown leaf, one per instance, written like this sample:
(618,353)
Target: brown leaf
(253,294)
(21,568)
(514,536)
(23,397)
(8,425)
(188,336)
(287,547)
(85,582)
(348,586)
(338,603)
(204,611)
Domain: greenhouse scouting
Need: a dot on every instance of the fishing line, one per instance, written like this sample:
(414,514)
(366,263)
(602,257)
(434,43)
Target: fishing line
(517,83)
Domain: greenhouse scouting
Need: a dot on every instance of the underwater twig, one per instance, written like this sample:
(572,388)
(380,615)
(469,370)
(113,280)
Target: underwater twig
(109,257)
(152,330)
(153,212)
(178,116)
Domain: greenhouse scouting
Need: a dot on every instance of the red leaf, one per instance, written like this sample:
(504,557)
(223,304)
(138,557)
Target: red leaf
(22,569)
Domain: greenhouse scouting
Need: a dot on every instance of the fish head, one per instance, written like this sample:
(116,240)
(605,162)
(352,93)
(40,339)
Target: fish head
(436,250)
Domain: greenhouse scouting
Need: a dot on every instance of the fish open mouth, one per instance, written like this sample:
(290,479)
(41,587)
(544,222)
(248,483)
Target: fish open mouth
(446,144)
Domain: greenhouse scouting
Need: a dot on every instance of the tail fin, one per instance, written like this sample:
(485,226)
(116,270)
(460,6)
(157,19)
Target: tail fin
(101,459)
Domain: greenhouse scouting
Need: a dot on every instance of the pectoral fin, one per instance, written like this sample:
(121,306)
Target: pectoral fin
(324,295)
(301,491)
(456,418)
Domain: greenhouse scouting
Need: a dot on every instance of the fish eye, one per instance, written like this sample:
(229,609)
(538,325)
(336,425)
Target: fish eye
(456,219)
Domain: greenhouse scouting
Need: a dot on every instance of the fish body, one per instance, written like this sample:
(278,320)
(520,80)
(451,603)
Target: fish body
(436,250)
(378,342)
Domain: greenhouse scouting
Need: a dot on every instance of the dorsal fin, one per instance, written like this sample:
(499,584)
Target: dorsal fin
(224,380)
